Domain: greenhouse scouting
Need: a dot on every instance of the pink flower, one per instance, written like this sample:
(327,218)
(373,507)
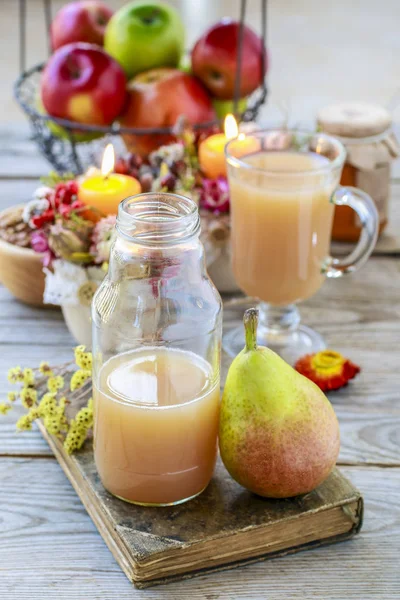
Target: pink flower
(64,210)
(39,242)
(214,195)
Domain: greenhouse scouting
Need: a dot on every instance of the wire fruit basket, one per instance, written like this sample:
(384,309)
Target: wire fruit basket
(72,147)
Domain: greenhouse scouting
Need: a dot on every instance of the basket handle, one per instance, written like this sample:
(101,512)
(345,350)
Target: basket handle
(22,30)
(250,113)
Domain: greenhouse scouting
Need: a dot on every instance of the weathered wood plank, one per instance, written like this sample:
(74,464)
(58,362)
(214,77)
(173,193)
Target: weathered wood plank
(367,437)
(27,443)
(358,316)
(30,442)
(16,191)
(352,310)
(50,549)
(370,432)
(41,331)
(19,156)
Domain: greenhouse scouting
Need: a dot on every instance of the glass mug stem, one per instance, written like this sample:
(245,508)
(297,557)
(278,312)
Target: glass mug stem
(365,208)
(278,320)
(279,328)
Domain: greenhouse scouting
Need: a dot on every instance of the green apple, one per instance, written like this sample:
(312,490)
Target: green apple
(145,35)
(185,64)
(224,107)
(61,132)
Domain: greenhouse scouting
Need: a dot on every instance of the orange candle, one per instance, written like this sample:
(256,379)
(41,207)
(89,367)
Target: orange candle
(244,145)
(107,190)
(212,149)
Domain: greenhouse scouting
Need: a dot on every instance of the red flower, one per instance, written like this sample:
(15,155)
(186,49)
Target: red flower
(65,193)
(64,210)
(38,221)
(214,195)
(77,204)
(122,167)
(328,369)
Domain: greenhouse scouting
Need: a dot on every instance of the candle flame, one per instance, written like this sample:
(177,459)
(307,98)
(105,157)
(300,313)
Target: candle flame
(108,162)
(230,127)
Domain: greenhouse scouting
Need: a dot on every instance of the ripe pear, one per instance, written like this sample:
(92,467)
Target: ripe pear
(278,434)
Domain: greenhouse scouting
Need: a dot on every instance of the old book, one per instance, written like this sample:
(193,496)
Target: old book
(225,527)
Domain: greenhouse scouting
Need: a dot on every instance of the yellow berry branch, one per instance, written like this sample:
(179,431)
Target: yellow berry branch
(44,395)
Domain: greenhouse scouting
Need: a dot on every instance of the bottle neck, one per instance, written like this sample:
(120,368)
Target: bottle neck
(132,261)
(157,237)
(158,220)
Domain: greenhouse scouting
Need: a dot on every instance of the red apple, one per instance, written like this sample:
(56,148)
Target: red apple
(214,60)
(82,83)
(83,21)
(156,99)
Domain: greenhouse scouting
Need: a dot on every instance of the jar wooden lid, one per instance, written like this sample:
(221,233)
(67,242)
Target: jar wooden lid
(354,119)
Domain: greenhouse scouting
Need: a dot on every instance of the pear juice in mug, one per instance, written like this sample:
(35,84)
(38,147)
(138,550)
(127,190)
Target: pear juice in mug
(281,225)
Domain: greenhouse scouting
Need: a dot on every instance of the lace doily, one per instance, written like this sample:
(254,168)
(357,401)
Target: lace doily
(63,282)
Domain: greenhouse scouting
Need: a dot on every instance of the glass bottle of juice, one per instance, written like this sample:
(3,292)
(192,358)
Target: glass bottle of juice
(157,321)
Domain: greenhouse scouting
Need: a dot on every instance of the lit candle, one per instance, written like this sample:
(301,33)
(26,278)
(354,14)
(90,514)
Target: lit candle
(211,150)
(107,190)
(244,145)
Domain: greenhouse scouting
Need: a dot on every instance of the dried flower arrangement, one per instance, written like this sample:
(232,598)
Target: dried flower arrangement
(74,240)
(47,392)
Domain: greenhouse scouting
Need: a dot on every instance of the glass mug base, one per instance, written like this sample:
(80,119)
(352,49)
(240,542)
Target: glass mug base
(280,330)
(289,345)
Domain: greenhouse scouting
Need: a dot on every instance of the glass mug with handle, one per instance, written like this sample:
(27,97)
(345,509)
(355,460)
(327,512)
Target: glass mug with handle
(284,185)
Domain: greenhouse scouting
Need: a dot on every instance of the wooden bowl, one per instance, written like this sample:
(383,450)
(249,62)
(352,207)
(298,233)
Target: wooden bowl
(21,271)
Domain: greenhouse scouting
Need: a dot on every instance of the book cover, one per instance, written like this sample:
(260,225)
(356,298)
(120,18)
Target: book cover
(225,527)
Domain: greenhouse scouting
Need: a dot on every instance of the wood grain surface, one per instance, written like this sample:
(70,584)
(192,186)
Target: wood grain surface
(49,548)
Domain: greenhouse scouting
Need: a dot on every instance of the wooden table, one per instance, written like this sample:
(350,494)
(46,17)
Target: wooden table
(50,549)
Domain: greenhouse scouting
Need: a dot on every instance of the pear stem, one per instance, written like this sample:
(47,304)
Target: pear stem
(250,321)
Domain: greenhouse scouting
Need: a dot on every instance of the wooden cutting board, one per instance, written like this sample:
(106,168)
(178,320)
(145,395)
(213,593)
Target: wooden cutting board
(225,527)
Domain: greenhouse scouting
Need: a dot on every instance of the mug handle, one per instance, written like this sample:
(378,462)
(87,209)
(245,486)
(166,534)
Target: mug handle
(365,208)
